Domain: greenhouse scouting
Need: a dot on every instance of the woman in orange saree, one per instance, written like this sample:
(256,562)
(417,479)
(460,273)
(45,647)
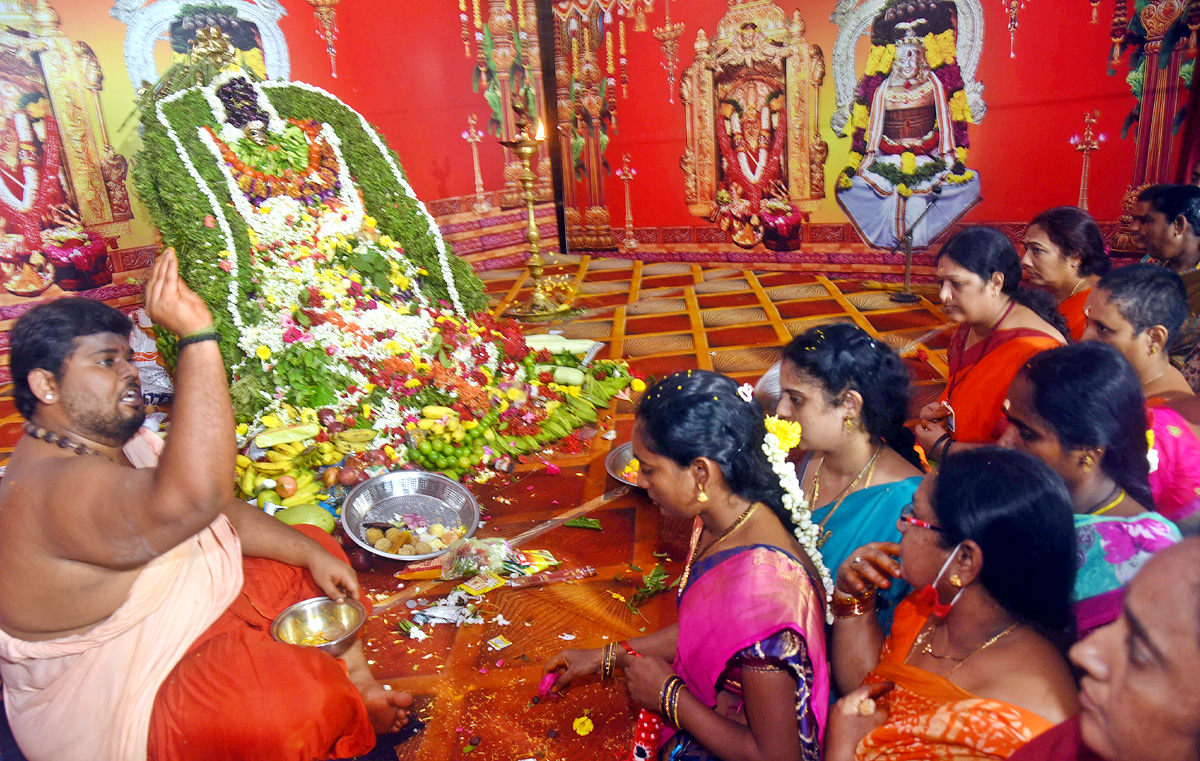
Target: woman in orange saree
(1065,256)
(1000,328)
(972,668)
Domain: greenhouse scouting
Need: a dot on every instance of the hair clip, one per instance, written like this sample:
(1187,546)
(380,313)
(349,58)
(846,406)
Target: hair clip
(746,391)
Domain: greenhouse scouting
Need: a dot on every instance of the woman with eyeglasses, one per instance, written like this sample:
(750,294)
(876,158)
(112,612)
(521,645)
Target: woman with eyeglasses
(973,667)
(1080,410)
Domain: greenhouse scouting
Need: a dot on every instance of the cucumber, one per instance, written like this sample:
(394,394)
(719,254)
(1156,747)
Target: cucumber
(556,344)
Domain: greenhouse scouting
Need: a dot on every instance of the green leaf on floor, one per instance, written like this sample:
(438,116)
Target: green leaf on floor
(592,523)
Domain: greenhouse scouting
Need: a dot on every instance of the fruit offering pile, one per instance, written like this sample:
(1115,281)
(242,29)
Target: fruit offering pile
(299,465)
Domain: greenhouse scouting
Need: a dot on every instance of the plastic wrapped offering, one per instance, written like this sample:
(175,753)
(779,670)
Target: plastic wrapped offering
(467,557)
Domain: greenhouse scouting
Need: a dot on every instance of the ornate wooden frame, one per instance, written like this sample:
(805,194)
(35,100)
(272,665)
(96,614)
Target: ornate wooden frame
(804,72)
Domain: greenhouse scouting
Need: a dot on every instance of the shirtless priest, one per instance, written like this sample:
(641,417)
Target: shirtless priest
(126,631)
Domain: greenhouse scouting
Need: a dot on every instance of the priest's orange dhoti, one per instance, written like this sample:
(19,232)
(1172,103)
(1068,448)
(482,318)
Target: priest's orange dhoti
(239,694)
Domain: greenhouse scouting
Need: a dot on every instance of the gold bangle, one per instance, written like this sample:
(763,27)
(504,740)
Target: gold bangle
(608,661)
(664,698)
(675,703)
(853,607)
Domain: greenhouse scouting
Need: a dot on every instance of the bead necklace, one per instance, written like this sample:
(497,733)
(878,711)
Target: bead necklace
(925,645)
(868,470)
(50,437)
(687,570)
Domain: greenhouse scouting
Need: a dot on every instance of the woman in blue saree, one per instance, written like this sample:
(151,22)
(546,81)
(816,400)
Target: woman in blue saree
(850,395)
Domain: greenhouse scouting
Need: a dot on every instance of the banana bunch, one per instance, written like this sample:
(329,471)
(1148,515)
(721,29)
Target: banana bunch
(452,430)
(296,459)
(351,441)
(307,490)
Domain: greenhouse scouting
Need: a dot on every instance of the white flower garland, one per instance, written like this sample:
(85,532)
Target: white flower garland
(271,220)
(217,210)
(439,242)
(806,531)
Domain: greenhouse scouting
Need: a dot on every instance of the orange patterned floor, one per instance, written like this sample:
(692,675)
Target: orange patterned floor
(477,702)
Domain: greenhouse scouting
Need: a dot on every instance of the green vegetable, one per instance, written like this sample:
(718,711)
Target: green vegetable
(584,523)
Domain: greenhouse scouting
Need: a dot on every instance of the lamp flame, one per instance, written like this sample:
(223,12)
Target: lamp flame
(541,131)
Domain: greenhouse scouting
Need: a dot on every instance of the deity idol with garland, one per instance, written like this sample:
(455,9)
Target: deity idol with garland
(333,291)
(41,235)
(909,129)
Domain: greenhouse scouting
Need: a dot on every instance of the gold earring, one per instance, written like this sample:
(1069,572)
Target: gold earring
(1088,463)
(955,581)
(849,425)
(701,497)
(1153,349)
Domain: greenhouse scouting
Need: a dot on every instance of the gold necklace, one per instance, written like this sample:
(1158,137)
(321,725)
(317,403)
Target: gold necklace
(687,570)
(926,643)
(1146,383)
(868,470)
(1102,510)
(1076,288)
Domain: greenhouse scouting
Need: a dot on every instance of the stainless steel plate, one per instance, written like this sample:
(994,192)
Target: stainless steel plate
(385,498)
(617,459)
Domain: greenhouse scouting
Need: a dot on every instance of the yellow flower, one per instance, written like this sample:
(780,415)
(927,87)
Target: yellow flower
(903,190)
(389,450)
(583,726)
(861,116)
(386,241)
(369,388)
(933,51)
(888,58)
(263,352)
(515,393)
(270,421)
(37,109)
(908,163)
(366,410)
(844,181)
(787,431)
(947,46)
(638,385)
(412,383)
(961,153)
(873,57)
(854,160)
(242,428)
(960,110)
(369,222)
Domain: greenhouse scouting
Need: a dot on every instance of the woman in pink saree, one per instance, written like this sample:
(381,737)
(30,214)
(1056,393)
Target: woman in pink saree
(743,674)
